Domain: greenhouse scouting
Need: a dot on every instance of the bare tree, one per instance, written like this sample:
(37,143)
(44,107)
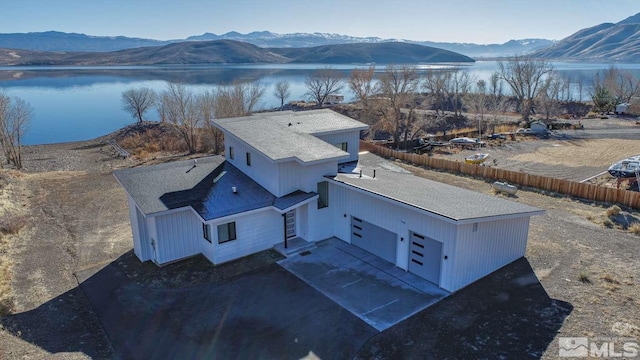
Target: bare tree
(179,105)
(497,100)
(15,116)
(477,102)
(525,75)
(362,84)
(622,84)
(436,83)
(237,100)
(550,95)
(398,86)
(137,101)
(459,86)
(281,91)
(322,83)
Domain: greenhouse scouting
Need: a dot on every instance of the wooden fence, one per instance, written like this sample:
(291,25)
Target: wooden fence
(561,186)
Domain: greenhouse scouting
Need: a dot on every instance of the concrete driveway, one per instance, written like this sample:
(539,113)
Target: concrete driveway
(371,288)
(263,314)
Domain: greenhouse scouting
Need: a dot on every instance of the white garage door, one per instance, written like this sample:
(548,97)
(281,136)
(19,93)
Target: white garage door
(374,239)
(425,255)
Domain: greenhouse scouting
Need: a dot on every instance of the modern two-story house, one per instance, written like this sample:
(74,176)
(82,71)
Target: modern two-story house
(289,175)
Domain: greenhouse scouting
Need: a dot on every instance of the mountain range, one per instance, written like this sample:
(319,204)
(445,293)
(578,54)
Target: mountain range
(60,41)
(604,42)
(236,52)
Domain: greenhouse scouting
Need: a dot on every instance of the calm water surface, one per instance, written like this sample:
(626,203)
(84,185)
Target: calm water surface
(80,103)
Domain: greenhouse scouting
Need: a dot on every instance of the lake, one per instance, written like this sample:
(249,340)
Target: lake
(80,103)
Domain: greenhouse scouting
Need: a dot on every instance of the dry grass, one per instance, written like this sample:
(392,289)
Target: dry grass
(13,224)
(613,211)
(577,153)
(635,229)
(584,278)
(6,294)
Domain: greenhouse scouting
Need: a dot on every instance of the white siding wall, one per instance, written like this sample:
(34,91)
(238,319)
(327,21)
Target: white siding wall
(262,170)
(135,229)
(393,217)
(254,232)
(295,176)
(492,246)
(179,235)
(351,137)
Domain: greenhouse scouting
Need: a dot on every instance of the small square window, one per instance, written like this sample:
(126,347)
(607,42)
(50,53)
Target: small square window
(231,152)
(226,232)
(248,159)
(343,146)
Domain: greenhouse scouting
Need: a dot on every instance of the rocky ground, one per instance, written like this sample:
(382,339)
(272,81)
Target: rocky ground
(78,220)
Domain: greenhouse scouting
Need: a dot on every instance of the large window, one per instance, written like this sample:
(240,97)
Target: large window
(248,159)
(226,232)
(206,232)
(343,146)
(323,195)
(231,152)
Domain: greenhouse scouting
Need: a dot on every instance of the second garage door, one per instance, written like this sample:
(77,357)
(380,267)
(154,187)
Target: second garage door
(424,257)
(374,239)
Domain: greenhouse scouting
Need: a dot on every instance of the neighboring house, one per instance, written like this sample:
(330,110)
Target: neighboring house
(292,175)
(333,99)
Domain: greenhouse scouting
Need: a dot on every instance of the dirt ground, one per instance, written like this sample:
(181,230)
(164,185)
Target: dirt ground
(78,220)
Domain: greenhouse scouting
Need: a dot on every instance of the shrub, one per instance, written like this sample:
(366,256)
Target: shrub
(635,228)
(613,211)
(584,278)
(13,224)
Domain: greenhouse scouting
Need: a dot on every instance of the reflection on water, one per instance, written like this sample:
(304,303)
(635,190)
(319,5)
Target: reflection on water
(79,103)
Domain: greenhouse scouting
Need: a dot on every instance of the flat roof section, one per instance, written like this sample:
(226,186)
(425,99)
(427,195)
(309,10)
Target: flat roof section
(449,201)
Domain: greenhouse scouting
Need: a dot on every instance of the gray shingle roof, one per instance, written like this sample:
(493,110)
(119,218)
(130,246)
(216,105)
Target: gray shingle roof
(207,188)
(289,135)
(442,199)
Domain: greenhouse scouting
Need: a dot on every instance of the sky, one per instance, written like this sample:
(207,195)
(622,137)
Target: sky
(470,21)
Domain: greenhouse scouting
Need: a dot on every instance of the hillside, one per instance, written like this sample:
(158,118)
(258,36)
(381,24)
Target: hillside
(235,52)
(72,42)
(186,53)
(617,42)
(385,53)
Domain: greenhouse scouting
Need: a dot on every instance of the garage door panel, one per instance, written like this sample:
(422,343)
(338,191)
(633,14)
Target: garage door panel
(374,239)
(425,256)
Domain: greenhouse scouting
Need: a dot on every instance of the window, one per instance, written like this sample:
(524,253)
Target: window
(226,232)
(231,152)
(206,232)
(343,146)
(323,194)
(248,159)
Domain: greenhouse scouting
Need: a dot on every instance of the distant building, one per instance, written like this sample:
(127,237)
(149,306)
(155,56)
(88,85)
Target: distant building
(334,99)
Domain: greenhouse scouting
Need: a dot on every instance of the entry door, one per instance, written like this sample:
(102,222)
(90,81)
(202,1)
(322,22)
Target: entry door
(290,224)
(425,257)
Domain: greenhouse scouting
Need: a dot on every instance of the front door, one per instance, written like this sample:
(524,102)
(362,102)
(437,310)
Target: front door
(290,224)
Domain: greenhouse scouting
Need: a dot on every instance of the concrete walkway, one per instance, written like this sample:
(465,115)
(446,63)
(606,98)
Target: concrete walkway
(369,287)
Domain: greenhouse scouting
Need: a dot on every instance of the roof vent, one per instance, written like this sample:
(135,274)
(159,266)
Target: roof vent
(290,124)
(234,189)
(195,162)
